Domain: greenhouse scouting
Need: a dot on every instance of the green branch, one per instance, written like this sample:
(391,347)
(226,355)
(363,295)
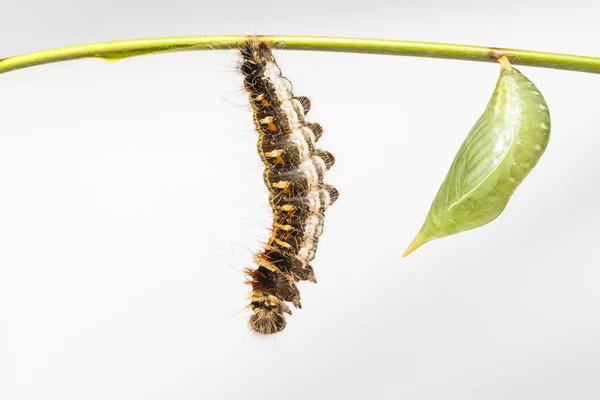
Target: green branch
(112,51)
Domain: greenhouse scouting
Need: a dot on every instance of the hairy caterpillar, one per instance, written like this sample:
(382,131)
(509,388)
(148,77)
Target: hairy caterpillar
(502,148)
(293,175)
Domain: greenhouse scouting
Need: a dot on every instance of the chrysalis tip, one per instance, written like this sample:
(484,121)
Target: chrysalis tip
(417,242)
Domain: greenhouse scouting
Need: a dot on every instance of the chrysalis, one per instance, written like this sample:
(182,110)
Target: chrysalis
(502,148)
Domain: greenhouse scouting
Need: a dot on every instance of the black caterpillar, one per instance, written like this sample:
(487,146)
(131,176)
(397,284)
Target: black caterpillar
(293,174)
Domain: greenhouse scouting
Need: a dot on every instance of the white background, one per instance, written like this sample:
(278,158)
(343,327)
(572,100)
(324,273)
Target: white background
(132,199)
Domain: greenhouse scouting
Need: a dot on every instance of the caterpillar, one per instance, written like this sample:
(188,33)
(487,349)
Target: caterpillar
(293,175)
(503,146)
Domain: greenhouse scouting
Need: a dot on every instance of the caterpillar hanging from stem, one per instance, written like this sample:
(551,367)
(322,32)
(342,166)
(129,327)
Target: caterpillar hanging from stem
(293,175)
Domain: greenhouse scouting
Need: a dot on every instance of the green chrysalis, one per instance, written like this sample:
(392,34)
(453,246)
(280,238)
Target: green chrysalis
(502,148)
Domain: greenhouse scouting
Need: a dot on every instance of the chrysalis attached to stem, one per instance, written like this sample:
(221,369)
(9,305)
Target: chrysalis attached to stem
(502,148)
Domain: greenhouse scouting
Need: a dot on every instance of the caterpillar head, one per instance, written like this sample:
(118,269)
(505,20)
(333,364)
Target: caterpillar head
(269,314)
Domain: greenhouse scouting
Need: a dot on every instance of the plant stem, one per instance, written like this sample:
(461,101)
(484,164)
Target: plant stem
(116,50)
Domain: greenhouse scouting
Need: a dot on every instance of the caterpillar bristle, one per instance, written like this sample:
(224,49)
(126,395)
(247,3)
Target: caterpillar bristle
(305,103)
(294,172)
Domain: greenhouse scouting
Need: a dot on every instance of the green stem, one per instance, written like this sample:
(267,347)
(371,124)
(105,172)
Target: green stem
(117,50)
